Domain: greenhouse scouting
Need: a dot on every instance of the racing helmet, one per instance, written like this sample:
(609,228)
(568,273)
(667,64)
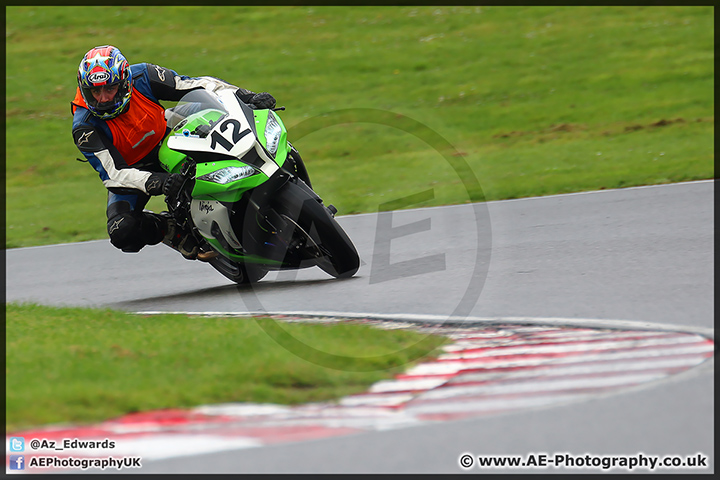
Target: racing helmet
(105,66)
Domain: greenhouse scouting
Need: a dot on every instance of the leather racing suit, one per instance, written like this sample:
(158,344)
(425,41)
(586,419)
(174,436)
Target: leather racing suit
(124,150)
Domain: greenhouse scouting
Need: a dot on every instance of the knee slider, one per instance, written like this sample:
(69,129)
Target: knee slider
(124,230)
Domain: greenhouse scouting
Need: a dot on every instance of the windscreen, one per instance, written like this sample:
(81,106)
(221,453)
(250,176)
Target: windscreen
(195,114)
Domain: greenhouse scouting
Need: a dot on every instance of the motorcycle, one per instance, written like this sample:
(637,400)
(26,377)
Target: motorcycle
(246,196)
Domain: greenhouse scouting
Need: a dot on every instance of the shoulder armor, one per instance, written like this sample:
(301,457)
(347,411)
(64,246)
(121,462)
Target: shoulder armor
(161,75)
(87,139)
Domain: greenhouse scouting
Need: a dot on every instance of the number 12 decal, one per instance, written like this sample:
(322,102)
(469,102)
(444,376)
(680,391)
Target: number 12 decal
(236,135)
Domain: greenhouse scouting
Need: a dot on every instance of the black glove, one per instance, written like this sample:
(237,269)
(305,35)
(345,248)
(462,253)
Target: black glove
(262,100)
(164,183)
(172,185)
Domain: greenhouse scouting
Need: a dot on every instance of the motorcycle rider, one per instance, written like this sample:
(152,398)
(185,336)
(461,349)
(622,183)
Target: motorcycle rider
(119,124)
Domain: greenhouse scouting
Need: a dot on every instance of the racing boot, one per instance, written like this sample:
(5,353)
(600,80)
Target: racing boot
(179,239)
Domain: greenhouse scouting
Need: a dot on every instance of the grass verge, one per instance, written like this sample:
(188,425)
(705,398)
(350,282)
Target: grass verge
(83,365)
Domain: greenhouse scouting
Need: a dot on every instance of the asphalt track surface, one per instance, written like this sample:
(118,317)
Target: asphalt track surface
(643,256)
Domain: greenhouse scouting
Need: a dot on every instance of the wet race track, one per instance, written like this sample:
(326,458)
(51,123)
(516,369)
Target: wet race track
(582,330)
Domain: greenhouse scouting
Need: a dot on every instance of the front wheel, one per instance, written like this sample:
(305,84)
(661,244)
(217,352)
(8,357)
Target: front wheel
(322,240)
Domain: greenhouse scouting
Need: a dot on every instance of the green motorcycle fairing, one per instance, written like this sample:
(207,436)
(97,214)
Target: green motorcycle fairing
(232,153)
(227,178)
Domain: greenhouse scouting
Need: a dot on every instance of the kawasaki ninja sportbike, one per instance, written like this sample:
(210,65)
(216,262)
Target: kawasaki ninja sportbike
(246,196)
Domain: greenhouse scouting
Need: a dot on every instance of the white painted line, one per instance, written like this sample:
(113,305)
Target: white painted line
(469,344)
(376,400)
(482,351)
(585,368)
(478,406)
(406,385)
(534,387)
(589,192)
(242,409)
(450,367)
(59,245)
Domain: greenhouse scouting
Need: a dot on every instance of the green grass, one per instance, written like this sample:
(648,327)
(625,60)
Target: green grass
(84,365)
(527,95)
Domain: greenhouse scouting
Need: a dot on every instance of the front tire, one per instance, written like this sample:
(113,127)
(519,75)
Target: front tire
(328,247)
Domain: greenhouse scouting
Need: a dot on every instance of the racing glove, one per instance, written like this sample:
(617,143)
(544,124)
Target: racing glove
(168,184)
(259,100)
(263,100)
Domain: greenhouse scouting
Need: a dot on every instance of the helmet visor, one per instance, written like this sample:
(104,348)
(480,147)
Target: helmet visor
(106,99)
